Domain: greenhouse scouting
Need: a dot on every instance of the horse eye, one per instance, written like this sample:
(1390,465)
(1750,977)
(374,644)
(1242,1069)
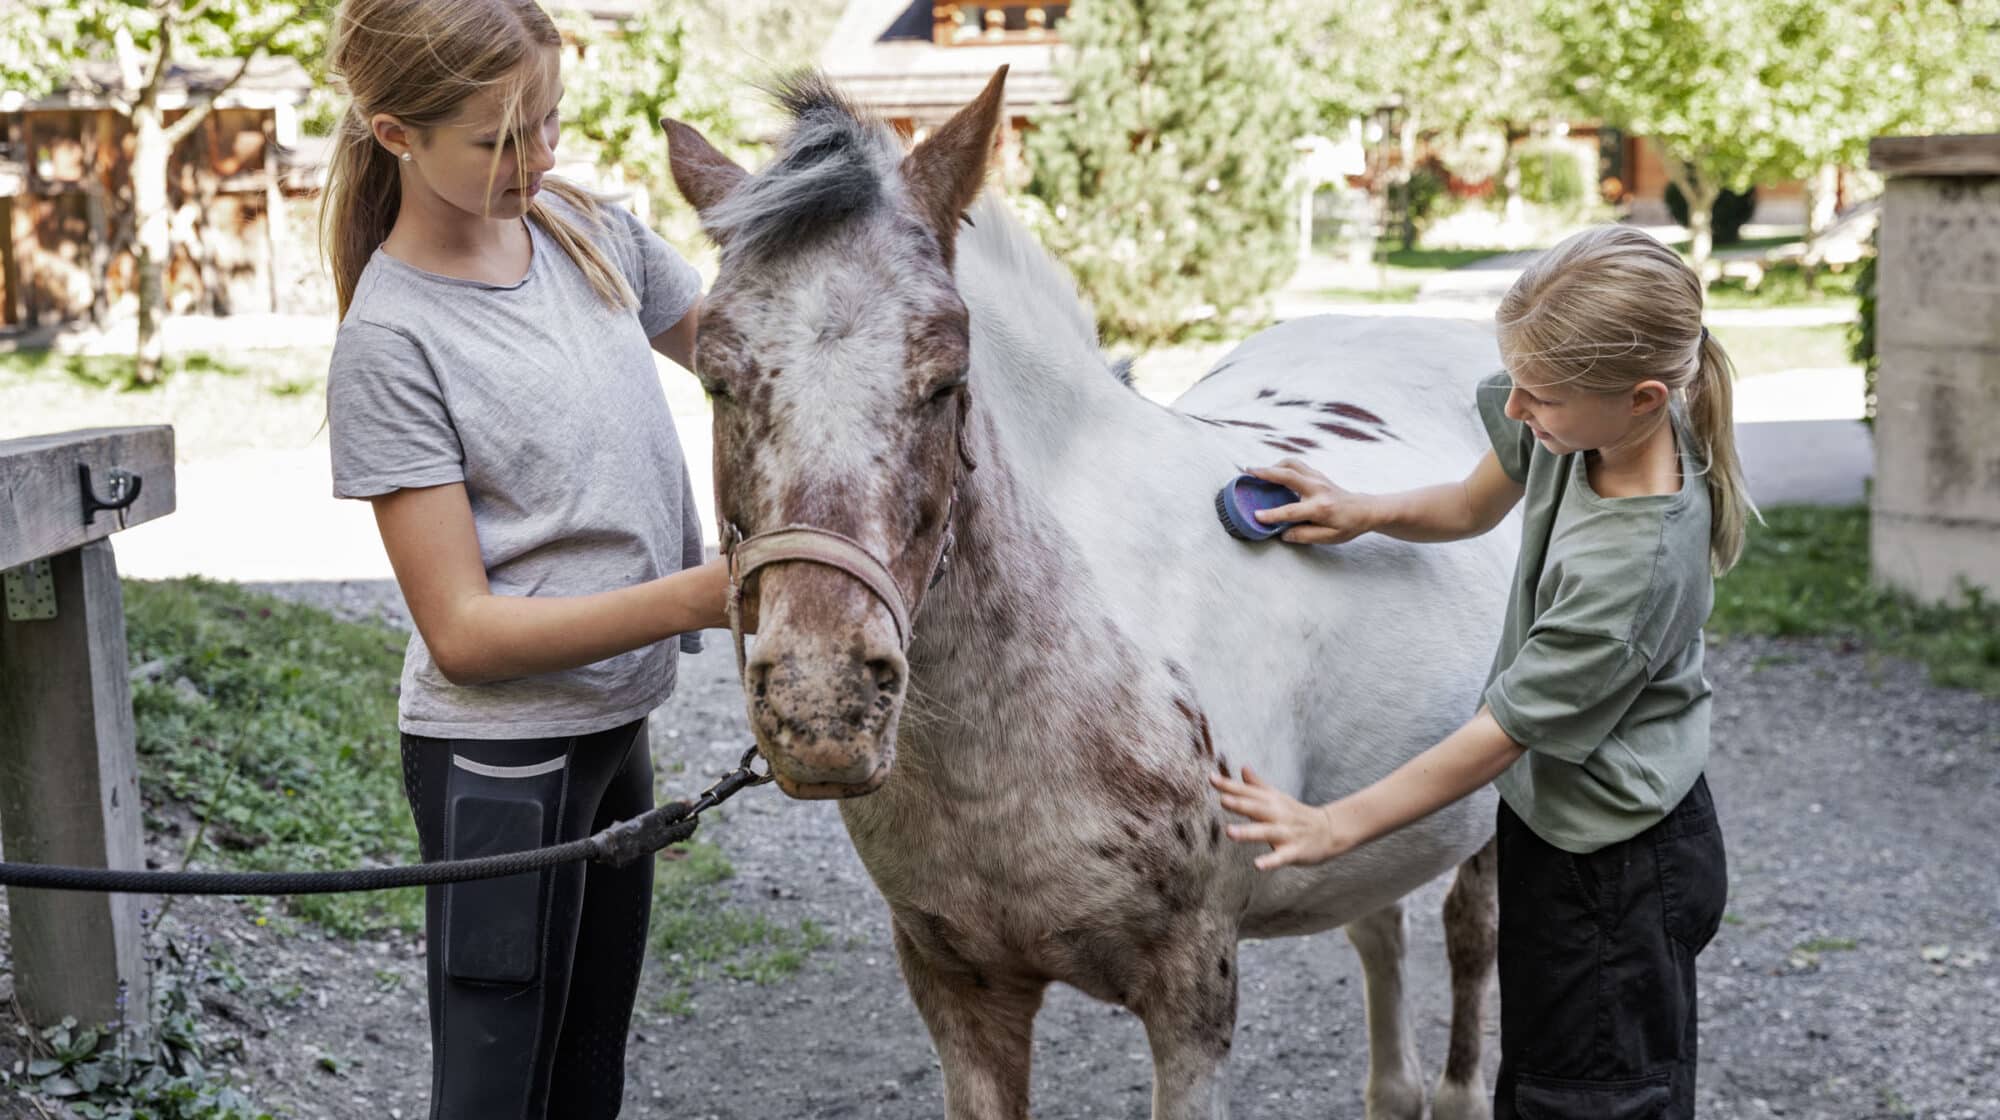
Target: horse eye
(947,389)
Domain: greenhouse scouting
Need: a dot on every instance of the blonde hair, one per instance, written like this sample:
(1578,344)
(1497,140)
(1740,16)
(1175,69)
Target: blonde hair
(1611,307)
(418,61)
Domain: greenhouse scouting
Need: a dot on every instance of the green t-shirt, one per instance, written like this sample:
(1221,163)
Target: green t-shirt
(1598,672)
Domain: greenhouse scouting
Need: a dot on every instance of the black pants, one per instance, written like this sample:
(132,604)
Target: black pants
(532,976)
(1597,968)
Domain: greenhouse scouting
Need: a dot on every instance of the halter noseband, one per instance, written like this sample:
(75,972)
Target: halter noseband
(814,545)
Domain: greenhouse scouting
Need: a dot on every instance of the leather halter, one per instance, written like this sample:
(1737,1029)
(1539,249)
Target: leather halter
(813,545)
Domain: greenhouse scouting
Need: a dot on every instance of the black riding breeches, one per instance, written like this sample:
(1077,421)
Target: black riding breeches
(532,976)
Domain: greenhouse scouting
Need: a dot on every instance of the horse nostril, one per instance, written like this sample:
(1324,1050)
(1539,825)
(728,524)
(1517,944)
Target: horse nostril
(760,679)
(886,673)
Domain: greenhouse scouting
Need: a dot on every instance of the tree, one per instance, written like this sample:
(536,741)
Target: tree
(43,42)
(1166,186)
(1768,89)
(1869,68)
(1449,66)
(687,61)
(1695,79)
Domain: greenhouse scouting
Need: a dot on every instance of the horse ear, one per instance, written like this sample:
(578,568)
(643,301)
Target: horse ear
(703,174)
(947,170)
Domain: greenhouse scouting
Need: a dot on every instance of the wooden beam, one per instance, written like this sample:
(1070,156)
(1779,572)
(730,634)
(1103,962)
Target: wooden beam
(69,794)
(10,273)
(274,209)
(1898,156)
(41,501)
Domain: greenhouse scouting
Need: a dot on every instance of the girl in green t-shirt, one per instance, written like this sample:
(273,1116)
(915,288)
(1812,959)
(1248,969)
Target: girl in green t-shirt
(1613,422)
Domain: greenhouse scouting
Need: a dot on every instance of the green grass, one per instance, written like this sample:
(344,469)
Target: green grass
(1402,272)
(113,371)
(697,933)
(286,742)
(1394,293)
(1682,241)
(1785,286)
(1432,260)
(1761,350)
(1805,574)
(280,372)
(284,739)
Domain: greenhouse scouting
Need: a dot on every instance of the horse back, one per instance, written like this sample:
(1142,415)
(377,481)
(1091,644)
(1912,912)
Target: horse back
(1376,403)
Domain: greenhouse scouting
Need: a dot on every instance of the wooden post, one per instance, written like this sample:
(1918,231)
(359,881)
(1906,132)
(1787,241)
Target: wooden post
(69,794)
(274,210)
(10,274)
(69,786)
(15,143)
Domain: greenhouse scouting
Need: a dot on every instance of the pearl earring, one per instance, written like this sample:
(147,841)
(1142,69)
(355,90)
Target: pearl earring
(406,157)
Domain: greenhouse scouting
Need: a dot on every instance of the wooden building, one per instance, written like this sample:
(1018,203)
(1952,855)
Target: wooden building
(66,218)
(918,63)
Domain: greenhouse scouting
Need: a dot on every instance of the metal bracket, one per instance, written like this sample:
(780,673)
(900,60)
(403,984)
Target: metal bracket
(31,591)
(124,491)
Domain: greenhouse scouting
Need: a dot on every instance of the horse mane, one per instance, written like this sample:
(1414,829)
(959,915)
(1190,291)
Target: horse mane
(829,169)
(997,250)
(836,163)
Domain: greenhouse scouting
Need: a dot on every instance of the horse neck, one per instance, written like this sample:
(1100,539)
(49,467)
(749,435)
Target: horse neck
(1017,603)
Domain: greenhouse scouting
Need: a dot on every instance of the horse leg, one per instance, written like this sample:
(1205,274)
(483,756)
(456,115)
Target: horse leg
(1470,941)
(1395,1078)
(1190,1018)
(983,1029)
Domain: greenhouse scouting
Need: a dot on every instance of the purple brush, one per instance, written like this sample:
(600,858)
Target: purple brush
(1236,504)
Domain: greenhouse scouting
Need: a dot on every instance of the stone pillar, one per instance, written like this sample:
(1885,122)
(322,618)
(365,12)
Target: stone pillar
(1936,503)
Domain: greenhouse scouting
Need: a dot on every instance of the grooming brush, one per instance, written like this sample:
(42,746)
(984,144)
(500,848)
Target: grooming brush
(1236,505)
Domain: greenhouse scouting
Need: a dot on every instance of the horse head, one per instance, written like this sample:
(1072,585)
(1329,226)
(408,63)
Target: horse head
(835,348)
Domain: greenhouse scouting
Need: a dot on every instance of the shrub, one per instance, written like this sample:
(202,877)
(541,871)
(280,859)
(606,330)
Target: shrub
(1552,173)
(1861,333)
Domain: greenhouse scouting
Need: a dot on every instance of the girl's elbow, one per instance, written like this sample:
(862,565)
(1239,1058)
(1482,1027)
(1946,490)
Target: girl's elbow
(1488,518)
(458,678)
(454,670)
(460,664)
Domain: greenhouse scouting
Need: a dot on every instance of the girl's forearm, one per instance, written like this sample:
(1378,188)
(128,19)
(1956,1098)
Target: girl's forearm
(1428,514)
(1467,759)
(500,637)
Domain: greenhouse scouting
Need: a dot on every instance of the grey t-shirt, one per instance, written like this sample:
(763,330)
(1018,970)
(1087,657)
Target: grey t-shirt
(1599,670)
(545,402)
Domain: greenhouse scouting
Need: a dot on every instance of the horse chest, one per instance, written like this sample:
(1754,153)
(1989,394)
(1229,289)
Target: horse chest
(1050,882)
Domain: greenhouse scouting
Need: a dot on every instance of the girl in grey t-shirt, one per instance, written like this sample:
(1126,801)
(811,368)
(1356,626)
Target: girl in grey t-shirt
(1611,425)
(493,395)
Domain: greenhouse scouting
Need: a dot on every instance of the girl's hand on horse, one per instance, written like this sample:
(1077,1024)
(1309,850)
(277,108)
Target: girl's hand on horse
(1296,832)
(1330,514)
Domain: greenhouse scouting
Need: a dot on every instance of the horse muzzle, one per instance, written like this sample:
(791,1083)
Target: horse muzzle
(825,683)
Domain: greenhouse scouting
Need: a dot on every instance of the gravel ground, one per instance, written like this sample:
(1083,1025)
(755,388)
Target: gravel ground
(1855,976)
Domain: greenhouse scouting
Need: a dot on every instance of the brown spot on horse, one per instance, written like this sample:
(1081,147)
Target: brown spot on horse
(1345,432)
(1353,412)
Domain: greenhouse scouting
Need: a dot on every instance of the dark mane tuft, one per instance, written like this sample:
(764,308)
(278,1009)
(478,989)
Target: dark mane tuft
(829,169)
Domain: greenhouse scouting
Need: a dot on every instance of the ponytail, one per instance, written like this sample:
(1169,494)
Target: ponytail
(605,278)
(1711,412)
(358,208)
